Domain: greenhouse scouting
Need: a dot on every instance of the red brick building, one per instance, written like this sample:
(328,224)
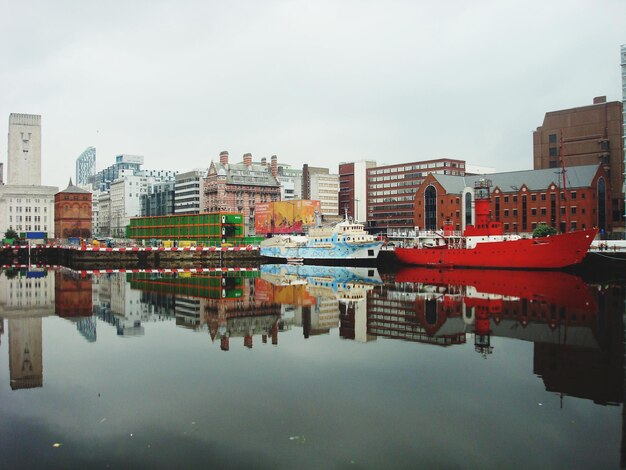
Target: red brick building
(72,212)
(520,200)
(586,135)
(239,187)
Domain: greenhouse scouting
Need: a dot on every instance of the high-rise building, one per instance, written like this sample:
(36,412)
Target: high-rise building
(159,200)
(353,188)
(320,184)
(391,190)
(24,158)
(188,192)
(586,135)
(25,205)
(86,166)
(104,178)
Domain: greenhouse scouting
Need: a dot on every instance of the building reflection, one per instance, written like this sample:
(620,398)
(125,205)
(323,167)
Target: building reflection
(226,304)
(26,296)
(577,331)
(318,296)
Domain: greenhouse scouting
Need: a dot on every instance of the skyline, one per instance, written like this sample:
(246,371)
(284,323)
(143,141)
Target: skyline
(311,83)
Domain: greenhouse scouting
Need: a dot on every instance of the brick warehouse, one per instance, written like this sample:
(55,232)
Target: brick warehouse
(586,135)
(520,200)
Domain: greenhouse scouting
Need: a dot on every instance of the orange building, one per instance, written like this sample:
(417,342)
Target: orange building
(72,212)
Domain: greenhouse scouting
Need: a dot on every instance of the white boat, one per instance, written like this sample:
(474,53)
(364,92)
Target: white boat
(345,241)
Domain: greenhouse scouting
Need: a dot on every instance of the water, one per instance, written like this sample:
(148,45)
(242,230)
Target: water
(310,368)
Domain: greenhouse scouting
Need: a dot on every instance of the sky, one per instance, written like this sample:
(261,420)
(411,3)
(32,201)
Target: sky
(317,82)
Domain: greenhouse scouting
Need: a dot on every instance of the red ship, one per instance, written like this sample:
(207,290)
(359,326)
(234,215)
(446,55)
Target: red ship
(485,245)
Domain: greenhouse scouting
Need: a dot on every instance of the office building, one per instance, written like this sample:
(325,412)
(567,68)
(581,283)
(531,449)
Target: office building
(391,190)
(322,185)
(353,189)
(188,192)
(86,166)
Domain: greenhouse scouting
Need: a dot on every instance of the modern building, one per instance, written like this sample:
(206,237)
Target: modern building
(159,200)
(72,212)
(125,202)
(391,190)
(188,192)
(322,185)
(586,135)
(25,205)
(104,214)
(521,200)
(290,181)
(353,188)
(239,187)
(86,166)
(130,163)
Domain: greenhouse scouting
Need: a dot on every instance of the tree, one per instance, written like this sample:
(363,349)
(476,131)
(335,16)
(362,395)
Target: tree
(543,230)
(10,233)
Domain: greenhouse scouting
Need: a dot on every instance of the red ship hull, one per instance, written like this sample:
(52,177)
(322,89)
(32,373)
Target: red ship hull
(556,251)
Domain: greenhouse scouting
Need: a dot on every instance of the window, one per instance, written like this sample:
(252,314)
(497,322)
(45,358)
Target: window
(552,151)
(533,197)
(573,195)
(552,138)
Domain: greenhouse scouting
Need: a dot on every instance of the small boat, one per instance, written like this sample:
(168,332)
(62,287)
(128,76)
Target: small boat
(346,241)
(485,245)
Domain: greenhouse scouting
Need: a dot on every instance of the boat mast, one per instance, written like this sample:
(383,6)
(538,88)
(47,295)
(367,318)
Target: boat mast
(563,182)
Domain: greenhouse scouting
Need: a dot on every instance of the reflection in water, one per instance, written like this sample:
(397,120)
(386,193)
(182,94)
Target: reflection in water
(576,330)
(578,342)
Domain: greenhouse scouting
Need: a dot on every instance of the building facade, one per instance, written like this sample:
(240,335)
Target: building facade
(320,184)
(72,213)
(131,164)
(86,166)
(520,200)
(586,135)
(24,145)
(159,200)
(391,190)
(353,189)
(239,187)
(25,205)
(188,192)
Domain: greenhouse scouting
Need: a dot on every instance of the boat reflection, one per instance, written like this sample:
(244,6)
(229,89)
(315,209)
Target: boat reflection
(315,297)
(538,306)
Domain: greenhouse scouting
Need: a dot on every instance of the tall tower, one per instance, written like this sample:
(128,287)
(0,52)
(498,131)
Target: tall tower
(24,156)
(85,166)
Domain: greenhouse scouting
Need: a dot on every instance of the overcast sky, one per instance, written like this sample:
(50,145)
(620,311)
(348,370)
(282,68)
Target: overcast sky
(310,81)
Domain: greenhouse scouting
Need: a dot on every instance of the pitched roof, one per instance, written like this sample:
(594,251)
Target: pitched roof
(535,180)
(71,188)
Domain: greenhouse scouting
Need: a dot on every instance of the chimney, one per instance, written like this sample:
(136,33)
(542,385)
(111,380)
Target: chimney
(274,166)
(599,100)
(224,341)
(247,341)
(224,157)
(264,161)
(247,159)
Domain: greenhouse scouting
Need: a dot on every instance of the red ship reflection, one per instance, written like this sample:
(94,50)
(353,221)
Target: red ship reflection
(497,301)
